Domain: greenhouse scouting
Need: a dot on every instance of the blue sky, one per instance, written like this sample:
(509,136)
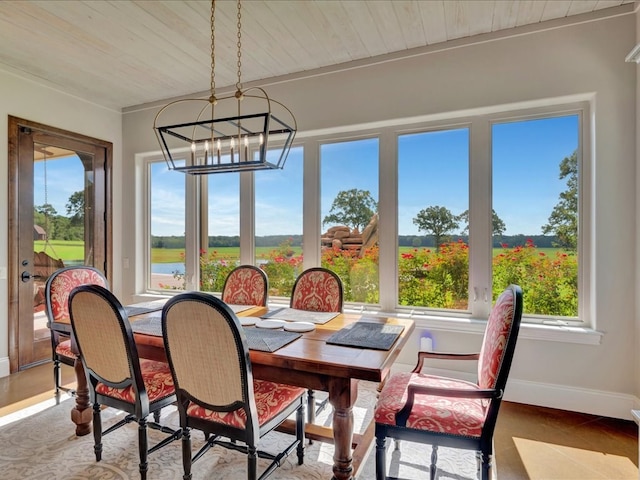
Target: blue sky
(433,170)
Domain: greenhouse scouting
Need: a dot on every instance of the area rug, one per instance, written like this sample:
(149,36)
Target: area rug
(43,446)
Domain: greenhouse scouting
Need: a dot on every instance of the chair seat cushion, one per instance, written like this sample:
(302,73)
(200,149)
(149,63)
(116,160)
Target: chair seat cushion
(64,349)
(453,416)
(157,381)
(271,399)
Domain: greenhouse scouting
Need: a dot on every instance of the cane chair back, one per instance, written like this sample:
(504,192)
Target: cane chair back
(217,394)
(116,376)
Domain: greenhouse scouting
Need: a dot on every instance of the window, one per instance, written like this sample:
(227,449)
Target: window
(535,217)
(469,206)
(433,212)
(278,223)
(349,205)
(220,250)
(167,227)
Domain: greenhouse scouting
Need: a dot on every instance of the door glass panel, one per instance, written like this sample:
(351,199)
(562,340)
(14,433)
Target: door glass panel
(62,222)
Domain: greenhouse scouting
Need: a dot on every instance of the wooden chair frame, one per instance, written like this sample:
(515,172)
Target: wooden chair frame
(482,444)
(61,331)
(216,432)
(141,407)
(315,408)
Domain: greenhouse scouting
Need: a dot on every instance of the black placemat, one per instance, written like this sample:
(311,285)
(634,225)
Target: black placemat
(268,340)
(363,334)
(144,307)
(257,338)
(149,326)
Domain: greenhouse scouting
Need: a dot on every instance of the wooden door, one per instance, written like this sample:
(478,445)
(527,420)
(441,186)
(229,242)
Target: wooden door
(59,204)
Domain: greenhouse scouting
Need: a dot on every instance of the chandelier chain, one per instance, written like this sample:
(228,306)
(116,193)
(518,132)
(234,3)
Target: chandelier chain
(213,43)
(239,82)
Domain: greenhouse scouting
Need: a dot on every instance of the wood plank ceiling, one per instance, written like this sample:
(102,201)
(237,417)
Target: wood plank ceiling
(123,53)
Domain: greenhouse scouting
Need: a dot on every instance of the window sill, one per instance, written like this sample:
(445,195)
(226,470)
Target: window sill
(529,331)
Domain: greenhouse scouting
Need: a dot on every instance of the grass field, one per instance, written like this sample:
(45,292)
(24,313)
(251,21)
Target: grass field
(74,251)
(66,250)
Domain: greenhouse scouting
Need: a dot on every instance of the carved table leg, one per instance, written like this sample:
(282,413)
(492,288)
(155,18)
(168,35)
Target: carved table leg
(81,414)
(342,396)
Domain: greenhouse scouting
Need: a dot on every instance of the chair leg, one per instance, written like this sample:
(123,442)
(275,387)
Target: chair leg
(300,434)
(381,458)
(156,416)
(186,453)
(433,469)
(486,466)
(143,447)
(56,374)
(252,462)
(97,432)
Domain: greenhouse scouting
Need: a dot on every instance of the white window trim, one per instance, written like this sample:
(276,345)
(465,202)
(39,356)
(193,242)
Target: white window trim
(479,121)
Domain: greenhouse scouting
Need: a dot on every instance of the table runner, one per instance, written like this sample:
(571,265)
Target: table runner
(295,315)
(367,334)
(257,339)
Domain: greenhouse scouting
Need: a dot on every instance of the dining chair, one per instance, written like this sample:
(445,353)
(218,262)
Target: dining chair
(449,412)
(116,377)
(317,289)
(57,289)
(246,285)
(217,394)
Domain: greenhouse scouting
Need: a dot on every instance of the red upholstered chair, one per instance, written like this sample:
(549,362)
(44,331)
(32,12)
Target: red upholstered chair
(116,377)
(217,394)
(445,411)
(246,285)
(318,290)
(56,291)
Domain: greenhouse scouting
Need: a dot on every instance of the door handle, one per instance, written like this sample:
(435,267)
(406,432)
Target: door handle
(25,276)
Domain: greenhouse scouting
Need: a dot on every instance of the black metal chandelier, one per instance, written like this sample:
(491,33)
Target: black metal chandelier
(234,133)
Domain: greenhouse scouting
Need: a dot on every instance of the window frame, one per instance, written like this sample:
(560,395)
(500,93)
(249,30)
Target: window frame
(479,123)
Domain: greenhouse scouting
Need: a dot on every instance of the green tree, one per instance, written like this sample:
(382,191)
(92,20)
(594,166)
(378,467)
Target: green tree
(497,223)
(563,221)
(353,208)
(438,221)
(75,208)
(44,215)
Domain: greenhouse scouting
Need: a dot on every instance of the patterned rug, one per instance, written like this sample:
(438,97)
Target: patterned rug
(42,446)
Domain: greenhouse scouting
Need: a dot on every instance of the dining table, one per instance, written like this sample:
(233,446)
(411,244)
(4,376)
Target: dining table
(313,361)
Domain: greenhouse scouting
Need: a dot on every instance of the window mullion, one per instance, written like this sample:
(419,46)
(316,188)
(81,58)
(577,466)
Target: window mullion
(480,218)
(388,220)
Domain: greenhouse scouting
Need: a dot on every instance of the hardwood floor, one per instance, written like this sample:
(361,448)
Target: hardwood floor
(530,442)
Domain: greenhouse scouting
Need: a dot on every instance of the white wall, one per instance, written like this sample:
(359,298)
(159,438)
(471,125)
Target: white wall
(25,99)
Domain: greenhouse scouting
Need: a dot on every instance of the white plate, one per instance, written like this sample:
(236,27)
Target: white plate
(272,324)
(299,327)
(248,321)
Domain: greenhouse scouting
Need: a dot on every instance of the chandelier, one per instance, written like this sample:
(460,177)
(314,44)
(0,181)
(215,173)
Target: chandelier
(243,131)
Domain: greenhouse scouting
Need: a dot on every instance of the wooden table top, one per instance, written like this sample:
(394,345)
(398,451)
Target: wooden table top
(312,354)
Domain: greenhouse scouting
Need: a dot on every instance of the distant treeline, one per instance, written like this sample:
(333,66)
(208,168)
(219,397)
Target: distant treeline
(540,241)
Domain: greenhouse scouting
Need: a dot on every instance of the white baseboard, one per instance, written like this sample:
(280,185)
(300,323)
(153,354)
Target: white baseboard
(5,370)
(575,399)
